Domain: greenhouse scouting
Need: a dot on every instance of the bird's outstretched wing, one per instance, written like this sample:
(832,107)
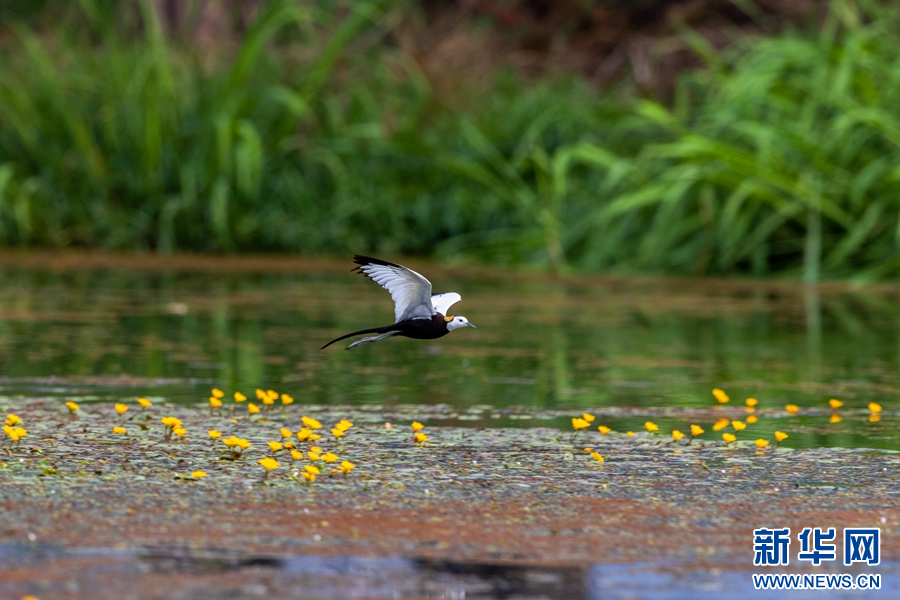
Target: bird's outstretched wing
(410,291)
(443,302)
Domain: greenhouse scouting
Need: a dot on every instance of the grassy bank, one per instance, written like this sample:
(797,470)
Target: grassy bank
(783,156)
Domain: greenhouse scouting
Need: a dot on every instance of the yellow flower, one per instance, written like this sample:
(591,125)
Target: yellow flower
(260,394)
(171,422)
(296,454)
(344,425)
(12,419)
(144,403)
(303,434)
(71,406)
(729,437)
(631,433)
(312,469)
(239,397)
(346,466)
(603,429)
(309,476)
(311,423)
(416,426)
(676,435)
(330,457)
(651,426)
(121,408)
(761,443)
(252,408)
(875,408)
(198,474)
(289,445)
(313,437)
(780,436)
(721,396)
(286,433)
(179,431)
(337,432)
(752,419)
(16,433)
(588,417)
(268,463)
(244,444)
(835,418)
(214,402)
(752,402)
(229,441)
(579,423)
(214,434)
(268,400)
(835,403)
(285,399)
(792,408)
(272,395)
(276,446)
(874,417)
(217,393)
(596,456)
(421,438)
(738,425)
(314,455)
(720,424)
(317,449)
(120,430)
(696,430)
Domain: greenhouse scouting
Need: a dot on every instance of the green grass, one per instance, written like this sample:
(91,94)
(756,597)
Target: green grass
(781,157)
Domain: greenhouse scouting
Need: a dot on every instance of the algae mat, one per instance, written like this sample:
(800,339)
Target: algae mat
(513,513)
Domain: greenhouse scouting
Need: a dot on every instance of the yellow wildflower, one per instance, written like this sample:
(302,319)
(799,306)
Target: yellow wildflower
(268,463)
(416,426)
(285,399)
(317,449)
(239,397)
(198,474)
(729,437)
(738,425)
(346,466)
(874,407)
(179,431)
(296,455)
(720,424)
(313,437)
(835,418)
(229,441)
(761,443)
(603,429)
(337,432)
(651,426)
(311,423)
(272,395)
(588,417)
(720,395)
(268,400)
(276,446)
(696,430)
(344,425)
(144,403)
(286,433)
(120,430)
(780,436)
(421,438)
(631,433)
(874,417)
(314,455)
(260,394)
(313,469)
(596,456)
(71,406)
(751,419)
(214,402)
(252,408)
(752,402)
(303,434)
(289,445)
(792,408)
(676,435)
(217,393)
(579,423)
(244,444)
(12,419)
(171,421)
(835,403)
(330,457)
(214,434)
(310,477)
(16,433)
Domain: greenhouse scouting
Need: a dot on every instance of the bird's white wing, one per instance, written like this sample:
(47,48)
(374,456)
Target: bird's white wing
(443,302)
(410,291)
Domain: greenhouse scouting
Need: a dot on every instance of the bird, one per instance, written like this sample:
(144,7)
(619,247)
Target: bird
(418,313)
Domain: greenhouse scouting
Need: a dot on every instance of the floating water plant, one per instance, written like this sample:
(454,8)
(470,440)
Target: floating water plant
(738,425)
(119,430)
(72,407)
(835,404)
(720,396)
(145,404)
(720,424)
(269,464)
(780,436)
(651,426)
(751,404)
(729,437)
(792,409)
(676,435)
(761,443)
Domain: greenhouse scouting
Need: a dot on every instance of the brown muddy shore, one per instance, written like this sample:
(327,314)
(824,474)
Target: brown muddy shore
(85,513)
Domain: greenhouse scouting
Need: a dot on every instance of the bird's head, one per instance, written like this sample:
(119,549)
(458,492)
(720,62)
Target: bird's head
(457,322)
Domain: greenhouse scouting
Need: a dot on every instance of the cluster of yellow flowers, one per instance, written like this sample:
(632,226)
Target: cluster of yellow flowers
(315,453)
(418,436)
(13,428)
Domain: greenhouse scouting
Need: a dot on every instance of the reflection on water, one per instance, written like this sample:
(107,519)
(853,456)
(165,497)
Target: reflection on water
(574,343)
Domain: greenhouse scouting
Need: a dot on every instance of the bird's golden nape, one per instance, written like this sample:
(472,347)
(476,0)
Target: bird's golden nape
(418,313)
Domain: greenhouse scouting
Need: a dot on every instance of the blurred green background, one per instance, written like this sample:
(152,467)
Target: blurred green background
(711,137)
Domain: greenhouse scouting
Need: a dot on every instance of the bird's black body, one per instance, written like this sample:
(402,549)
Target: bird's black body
(418,329)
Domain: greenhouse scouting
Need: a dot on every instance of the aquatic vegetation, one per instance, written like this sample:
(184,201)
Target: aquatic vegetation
(597,457)
(676,435)
(252,408)
(579,423)
(603,429)
(297,455)
(720,395)
(751,419)
(121,408)
(286,399)
(792,409)
(275,446)
(345,467)
(72,407)
(695,431)
(738,425)
(239,397)
(269,464)
(835,404)
(720,424)
(145,404)
(780,436)
(420,438)
(214,435)
(311,423)
(286,433)
(330,457)
(874,407)
(588,417)
(416,426)
(343,425)
(651,426)
(835,418)
(629,433)
(729,437)
(13,420)
(751,404)
(217,393)
(337,433)
(214,403)
(198,474)
(179,431)
(170,424)
(761,443)
(119,430)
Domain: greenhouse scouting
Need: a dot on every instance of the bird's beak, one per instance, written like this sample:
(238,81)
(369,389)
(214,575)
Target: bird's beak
(472,326)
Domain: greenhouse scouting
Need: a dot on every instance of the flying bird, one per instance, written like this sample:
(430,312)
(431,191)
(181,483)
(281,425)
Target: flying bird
(419,314)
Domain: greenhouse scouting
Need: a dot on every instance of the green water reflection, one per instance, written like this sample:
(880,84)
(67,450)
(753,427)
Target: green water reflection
(553,344)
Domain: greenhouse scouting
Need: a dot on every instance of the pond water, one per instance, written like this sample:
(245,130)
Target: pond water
(624,349)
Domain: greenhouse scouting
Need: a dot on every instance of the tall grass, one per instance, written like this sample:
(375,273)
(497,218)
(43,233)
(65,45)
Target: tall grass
(782,156)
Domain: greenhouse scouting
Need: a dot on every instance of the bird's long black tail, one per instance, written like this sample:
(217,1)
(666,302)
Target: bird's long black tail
(360,332)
